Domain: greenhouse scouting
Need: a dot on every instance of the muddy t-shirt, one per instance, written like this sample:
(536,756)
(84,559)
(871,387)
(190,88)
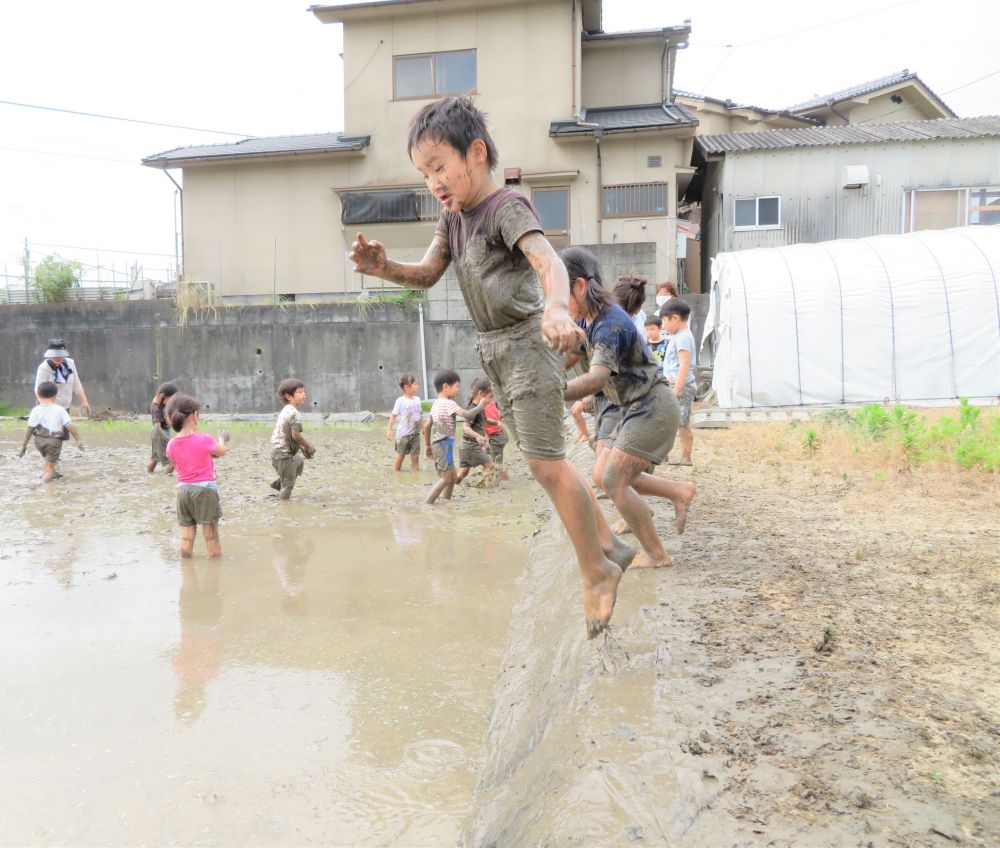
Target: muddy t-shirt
(497,281)
(616,344)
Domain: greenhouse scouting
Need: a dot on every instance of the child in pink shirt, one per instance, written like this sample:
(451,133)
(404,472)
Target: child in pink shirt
(192,454)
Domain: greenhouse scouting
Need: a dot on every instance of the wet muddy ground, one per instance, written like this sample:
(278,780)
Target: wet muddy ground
(327,682)
(818,667)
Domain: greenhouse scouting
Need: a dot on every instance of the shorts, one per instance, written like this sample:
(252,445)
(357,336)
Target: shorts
(288,467)
(471,455)
(647,427)
(444,454)
(528,379)
(686,399)
(159,441)
(50,447)
(608,416)
(197,505)
(408,445)
(495,445)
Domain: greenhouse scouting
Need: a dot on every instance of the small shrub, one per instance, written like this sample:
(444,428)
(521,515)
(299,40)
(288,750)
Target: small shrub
(810,442)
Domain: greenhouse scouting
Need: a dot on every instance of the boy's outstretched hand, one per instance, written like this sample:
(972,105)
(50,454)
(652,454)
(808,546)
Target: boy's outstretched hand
(368,256)
(560,331)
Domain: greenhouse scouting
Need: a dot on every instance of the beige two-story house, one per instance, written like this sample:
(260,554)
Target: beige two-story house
(583,119)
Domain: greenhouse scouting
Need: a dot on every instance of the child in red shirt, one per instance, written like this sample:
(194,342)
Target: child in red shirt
(496,435)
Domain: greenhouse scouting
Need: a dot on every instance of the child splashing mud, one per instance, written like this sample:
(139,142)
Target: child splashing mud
(197,492)
(472,452)
(516,291)
(287,438)
(638,422)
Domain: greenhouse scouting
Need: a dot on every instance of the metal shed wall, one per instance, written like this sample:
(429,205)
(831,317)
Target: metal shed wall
(815,208)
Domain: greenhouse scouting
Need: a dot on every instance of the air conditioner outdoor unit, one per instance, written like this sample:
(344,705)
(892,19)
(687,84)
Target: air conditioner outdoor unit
(854,176)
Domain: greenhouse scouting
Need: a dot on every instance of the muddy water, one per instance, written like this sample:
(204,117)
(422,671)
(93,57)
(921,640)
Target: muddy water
(328,681)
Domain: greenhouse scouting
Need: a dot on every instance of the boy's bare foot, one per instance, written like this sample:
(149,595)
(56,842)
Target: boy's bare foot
(681,509)
(599,599)
(621,553)
(276,485)
(621,527)
(681,461)
(151,466)
(644,560)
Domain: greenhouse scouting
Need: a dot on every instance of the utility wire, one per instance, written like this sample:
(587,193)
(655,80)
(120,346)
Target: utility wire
(100,249)
(118,118)
(70,155)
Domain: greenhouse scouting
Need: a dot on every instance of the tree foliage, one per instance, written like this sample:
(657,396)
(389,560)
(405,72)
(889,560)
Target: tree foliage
(54,276)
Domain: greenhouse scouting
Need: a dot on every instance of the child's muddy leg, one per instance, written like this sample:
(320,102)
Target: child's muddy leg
(414,462)
(462,474)
(290,471)
(48,471)
(212,543)
(398,466)
(187,540)
(620,552)
(679,492)
(450,478)
(573,499)
(438,488)
(622,470)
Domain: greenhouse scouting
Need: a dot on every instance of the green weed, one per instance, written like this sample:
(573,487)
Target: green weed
(810,442)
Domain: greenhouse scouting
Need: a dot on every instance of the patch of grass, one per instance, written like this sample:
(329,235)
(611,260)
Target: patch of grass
(810,442)
(828,642)
(13,411)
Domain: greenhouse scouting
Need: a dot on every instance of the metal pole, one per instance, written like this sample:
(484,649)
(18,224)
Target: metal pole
(27,270)
(423,347)
(274,274)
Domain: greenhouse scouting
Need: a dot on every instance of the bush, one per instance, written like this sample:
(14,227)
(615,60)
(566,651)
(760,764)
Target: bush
(54,277)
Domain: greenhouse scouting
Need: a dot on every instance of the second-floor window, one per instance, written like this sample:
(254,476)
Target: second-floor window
(434,74)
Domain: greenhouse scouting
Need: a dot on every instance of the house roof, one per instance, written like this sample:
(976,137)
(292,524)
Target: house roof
(674,33)
(731,104)
(619,119)
(861,89)
(940,129)
(248,148)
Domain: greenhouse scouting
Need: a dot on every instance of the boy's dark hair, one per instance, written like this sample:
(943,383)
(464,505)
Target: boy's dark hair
(179,408)
(675,306)
(47,390)
(630,291)
(654,321)
(446,378)
(288,387)
(168,390)
(582,264)
(454,120)
(406,379)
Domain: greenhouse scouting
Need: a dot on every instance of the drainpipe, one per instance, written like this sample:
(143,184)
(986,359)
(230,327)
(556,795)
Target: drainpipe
(572,47)
(598,135)
(423,347)
(829,103)
(180,193)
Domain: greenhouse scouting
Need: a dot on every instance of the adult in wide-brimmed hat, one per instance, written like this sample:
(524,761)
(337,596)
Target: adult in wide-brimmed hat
(58,368)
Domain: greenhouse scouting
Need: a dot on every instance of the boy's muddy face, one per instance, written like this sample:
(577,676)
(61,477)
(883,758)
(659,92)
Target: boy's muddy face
(299,397)
(451,391)
(411,389)
(458,182)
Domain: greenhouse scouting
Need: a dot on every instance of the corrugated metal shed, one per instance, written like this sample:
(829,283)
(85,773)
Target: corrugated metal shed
(285,145)
(626,118)
(901,131)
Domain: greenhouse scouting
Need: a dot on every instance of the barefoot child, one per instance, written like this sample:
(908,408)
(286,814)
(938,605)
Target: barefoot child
(161,430)
(473,451)
(197,492)
(407,415)
(516,291)
(638,421)
(287,438)
(678,368)
(48,423)
(439,431)
(496,434)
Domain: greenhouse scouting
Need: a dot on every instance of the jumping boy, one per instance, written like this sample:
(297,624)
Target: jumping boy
(407,416)
(48,423)
(439,431)
(678,368)
(161,430)
(287,438)
(517,293)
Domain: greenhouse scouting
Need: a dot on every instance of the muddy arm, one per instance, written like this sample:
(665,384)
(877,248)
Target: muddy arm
(369,257)
(589,384)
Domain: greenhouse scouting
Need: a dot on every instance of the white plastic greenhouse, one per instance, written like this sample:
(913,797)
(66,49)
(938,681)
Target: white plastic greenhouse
(911,318)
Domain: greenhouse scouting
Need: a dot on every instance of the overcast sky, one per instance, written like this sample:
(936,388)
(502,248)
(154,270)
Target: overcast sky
(73,184)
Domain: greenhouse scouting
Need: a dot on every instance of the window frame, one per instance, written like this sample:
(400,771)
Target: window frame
(569,208)
(637,213)
(758,225)
(432,55)
(910,204)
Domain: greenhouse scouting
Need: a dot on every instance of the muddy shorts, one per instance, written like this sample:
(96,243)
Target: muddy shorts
(608,418)
(444,454)
(288,467)
(495,444)
(471,455)
(686,400)
(197,505)
(409,445)
(159,441)
(528,380)
(49,447)
(646,427)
